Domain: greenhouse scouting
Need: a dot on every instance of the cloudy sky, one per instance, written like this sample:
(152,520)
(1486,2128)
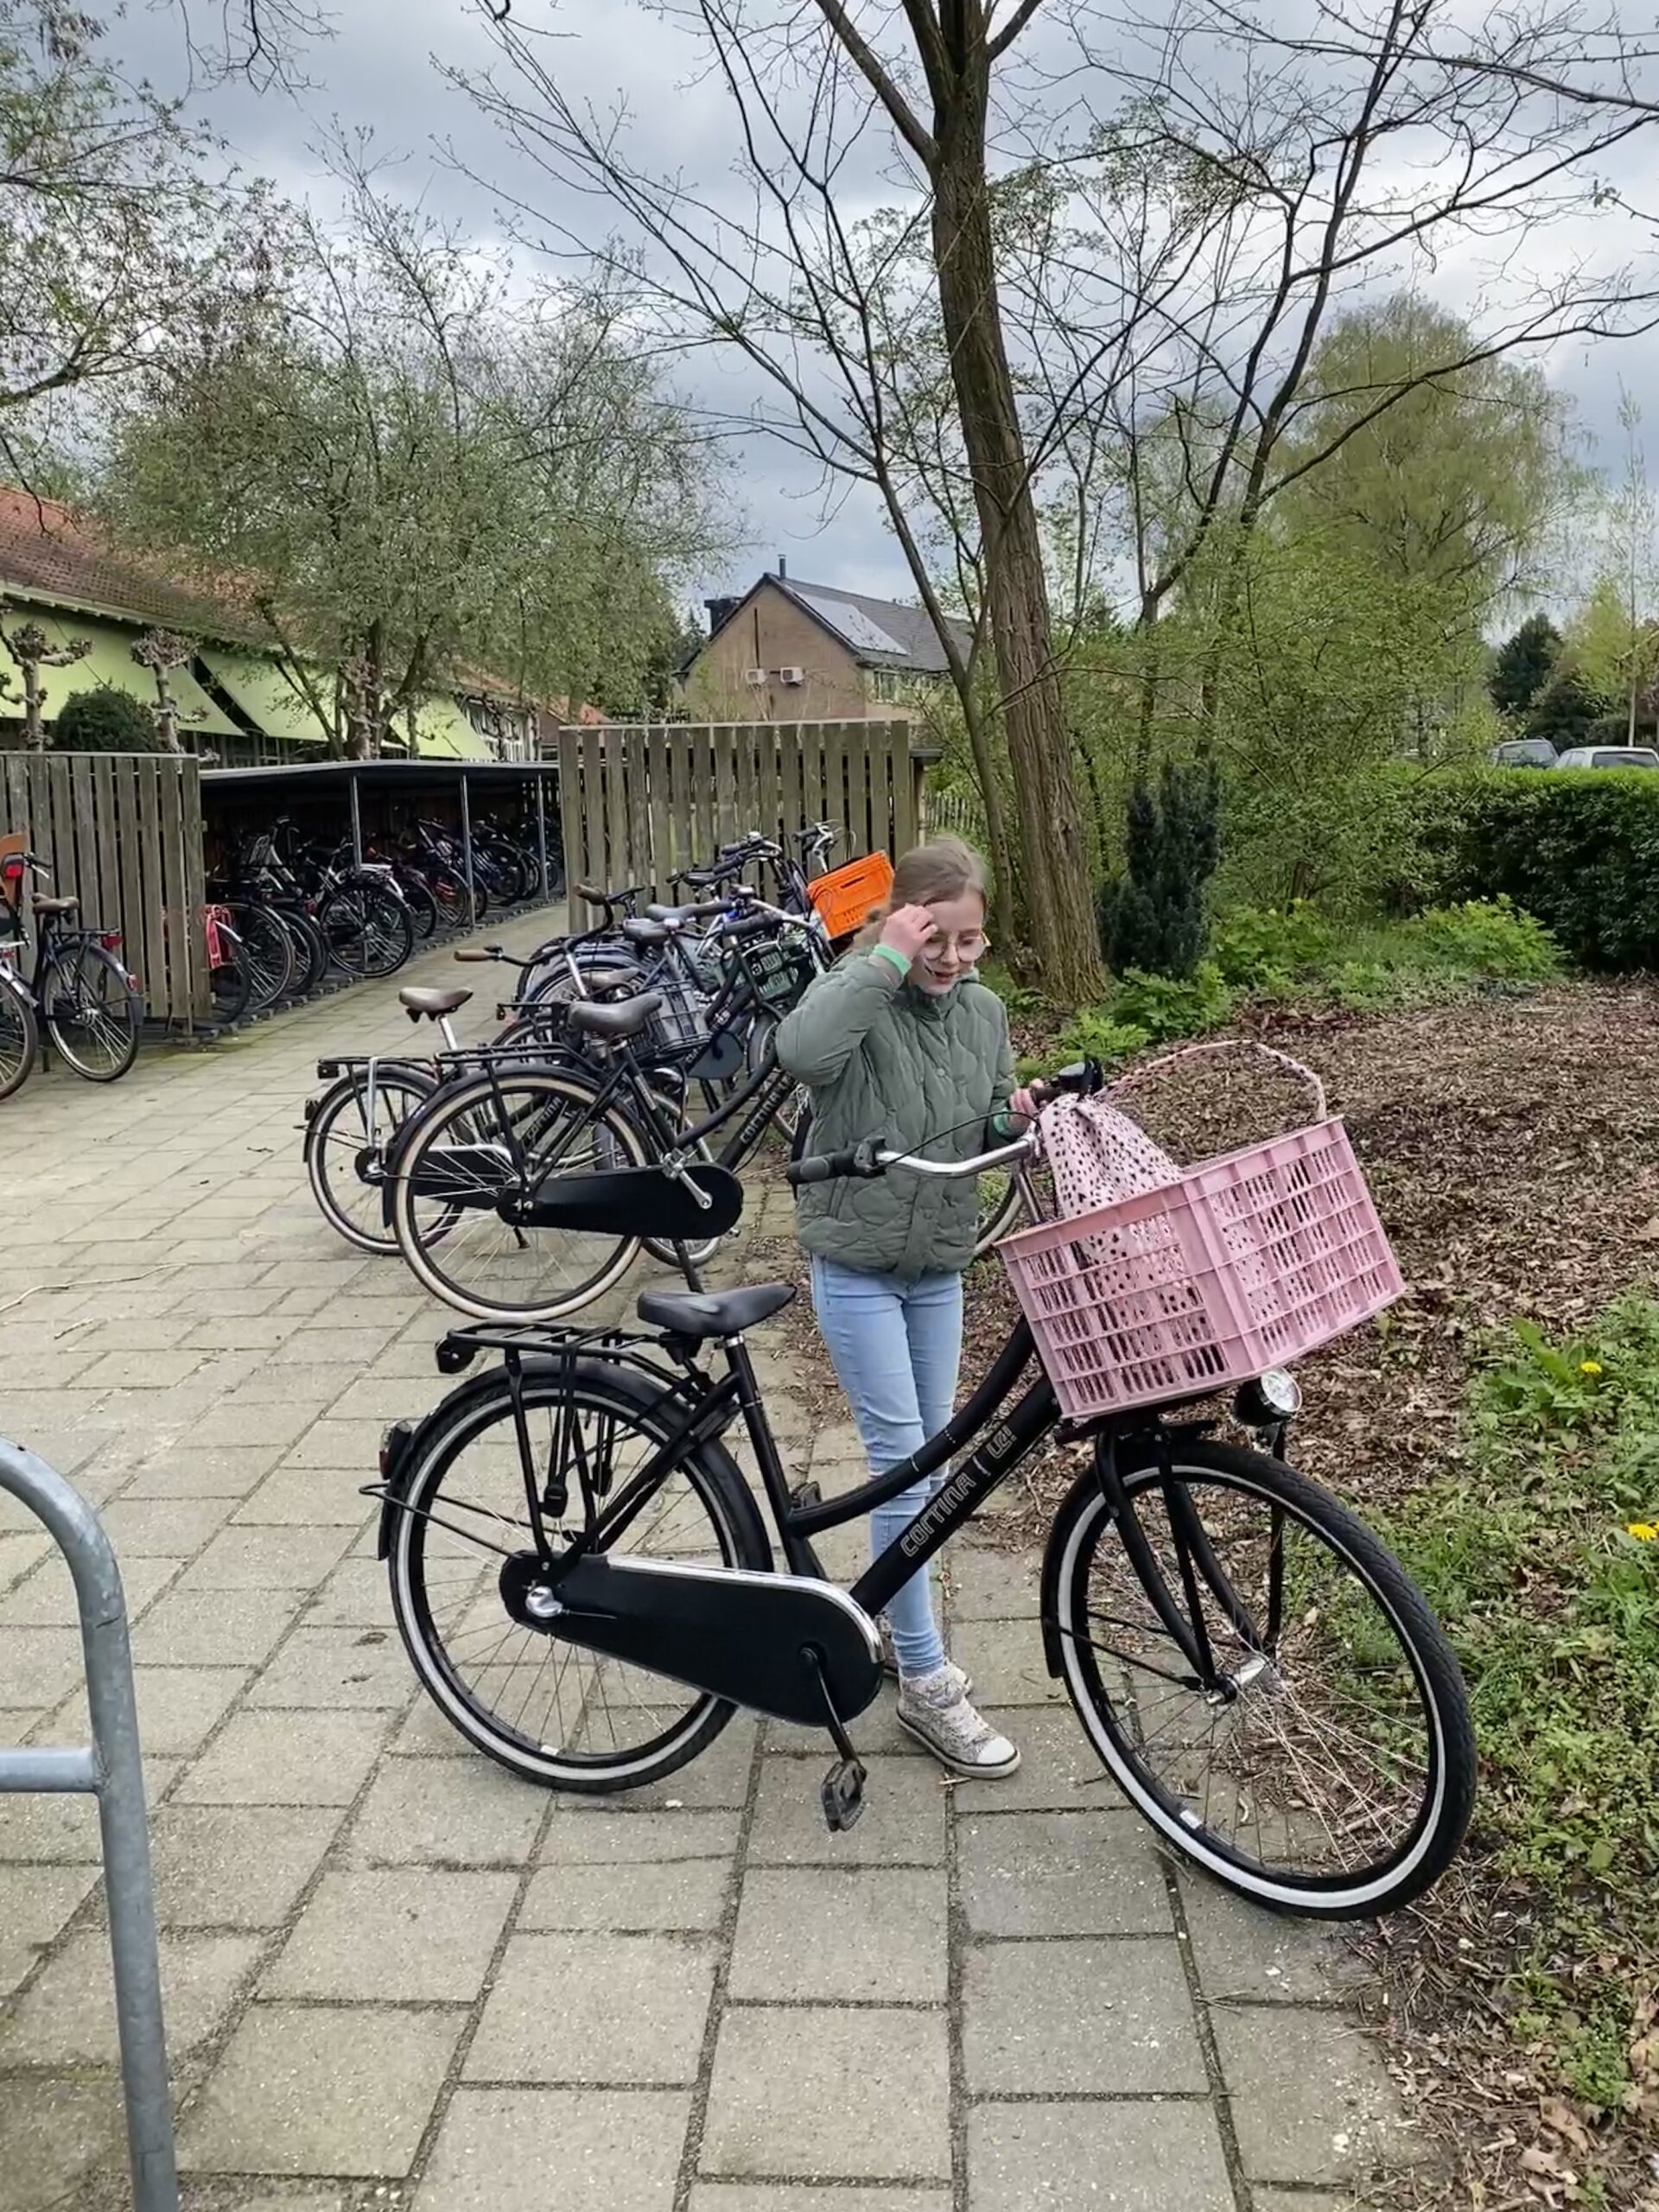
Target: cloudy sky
(383,69)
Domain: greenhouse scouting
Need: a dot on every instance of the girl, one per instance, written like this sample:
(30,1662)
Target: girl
(900,1040)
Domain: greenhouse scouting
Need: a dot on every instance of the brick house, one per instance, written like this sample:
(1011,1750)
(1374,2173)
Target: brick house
(790,651)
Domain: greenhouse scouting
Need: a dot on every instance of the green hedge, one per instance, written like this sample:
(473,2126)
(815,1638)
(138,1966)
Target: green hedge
(1579,849)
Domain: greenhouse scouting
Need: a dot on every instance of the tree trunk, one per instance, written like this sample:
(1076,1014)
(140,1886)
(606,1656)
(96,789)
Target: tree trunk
(1055,876)
(34,720)
(996,824)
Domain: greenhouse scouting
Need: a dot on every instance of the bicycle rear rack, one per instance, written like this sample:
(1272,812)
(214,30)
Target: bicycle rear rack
(111,1771)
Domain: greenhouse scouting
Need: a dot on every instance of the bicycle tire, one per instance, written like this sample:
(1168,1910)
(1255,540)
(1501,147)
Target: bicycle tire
(333,1147)
(368,931)
(20,1036)
(632,1405)
(310,953)
(115,1025)
(232,979)
(476,1101)
(269,950)
(423,907)
(1434,1834)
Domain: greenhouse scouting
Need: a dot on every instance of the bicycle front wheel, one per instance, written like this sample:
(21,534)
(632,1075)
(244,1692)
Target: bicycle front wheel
(91,1012)
(1328,1766)
(20,1041)
(469,1165)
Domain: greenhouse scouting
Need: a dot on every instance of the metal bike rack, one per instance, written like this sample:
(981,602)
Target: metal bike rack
(111,1772)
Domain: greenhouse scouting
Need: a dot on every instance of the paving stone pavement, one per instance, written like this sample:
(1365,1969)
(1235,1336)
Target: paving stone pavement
(397,1976)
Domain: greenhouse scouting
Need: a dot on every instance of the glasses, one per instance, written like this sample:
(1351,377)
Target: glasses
(967,946)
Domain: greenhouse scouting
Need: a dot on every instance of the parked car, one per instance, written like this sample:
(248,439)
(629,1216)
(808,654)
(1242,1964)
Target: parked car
(1523,752)
(1609,756)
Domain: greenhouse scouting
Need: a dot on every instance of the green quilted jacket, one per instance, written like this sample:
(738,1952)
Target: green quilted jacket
(929,1074)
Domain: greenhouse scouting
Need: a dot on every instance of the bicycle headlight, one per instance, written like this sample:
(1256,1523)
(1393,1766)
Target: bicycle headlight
(1272,1397)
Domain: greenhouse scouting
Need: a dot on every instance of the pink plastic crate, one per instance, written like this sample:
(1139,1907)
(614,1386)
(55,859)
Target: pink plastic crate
(1247,1262)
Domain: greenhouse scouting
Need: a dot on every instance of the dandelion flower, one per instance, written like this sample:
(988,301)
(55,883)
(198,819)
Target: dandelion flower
(1644,1531)
(1589,1367)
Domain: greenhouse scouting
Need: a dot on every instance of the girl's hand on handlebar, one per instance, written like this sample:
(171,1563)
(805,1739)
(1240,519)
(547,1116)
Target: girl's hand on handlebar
(906,929)
(1025,1103)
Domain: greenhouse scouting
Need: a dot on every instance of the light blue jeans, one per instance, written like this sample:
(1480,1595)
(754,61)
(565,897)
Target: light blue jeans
(896,1347)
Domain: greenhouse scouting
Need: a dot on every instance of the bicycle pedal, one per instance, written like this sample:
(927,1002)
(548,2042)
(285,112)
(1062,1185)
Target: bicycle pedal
(842,1795)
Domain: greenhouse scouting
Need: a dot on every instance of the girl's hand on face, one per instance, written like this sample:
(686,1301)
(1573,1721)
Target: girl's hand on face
(907,929)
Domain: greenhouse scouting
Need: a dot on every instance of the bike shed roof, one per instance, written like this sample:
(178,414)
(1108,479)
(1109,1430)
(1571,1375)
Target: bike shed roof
(317,777)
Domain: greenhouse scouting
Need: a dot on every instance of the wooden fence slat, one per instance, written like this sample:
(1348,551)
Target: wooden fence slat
(108,831)
(125,788)
(58,852)
(618,858)
(593,804)
(700,742)
(175,934)
(808,746)
(748,814)
(200,1006)
(836,809)
(879,779)
(796,813)
(766,800)
(663,863)
(571,833)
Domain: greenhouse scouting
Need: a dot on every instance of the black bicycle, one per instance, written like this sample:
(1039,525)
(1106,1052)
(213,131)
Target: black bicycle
(587,1590)
(493,1185)
(76,991)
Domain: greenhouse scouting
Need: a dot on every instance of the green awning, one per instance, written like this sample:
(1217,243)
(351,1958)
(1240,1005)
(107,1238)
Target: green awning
(109,660)
(260,686)
(443,732)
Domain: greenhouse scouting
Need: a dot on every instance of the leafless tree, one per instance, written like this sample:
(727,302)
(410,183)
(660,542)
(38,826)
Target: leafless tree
(1113,244)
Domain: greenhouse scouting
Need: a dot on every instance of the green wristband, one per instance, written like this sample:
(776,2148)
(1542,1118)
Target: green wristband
(891,952)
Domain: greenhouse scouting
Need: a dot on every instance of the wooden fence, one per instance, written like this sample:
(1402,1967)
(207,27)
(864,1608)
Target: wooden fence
(639,801)
(122,833)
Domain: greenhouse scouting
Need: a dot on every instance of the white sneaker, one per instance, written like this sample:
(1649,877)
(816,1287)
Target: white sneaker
(890,1664)
(935,1710)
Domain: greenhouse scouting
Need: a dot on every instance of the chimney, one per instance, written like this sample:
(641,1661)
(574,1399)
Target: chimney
(719,609)
(783,566)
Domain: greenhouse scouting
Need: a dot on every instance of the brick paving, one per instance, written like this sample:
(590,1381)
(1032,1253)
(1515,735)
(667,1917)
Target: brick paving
(396,1974)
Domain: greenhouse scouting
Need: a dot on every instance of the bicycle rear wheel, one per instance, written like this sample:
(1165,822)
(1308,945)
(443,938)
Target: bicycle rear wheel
(555,1711)
(267,951)
(368,931)
(310,953)
(20,1036)
(478,1148)
(347,1144)
(91,1011)
(1332,1772)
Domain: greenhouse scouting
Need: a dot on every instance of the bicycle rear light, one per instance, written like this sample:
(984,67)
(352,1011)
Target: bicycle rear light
(110,939)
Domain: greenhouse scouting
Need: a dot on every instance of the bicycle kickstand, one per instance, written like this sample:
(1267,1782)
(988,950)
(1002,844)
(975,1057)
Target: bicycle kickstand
(841,1791)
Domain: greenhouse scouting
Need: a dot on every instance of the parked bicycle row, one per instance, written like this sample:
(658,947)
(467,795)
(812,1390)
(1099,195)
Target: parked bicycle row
(646,1038)
(287,912)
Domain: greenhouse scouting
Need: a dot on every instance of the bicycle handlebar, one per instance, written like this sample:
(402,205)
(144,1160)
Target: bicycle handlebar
(871,1158)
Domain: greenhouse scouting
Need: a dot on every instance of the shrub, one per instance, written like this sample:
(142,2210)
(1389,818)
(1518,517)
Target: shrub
(1154,918)
(1579,850)
(1163,1006)
(1092,1034)
(1488,936)
(104,721)
(1265,949)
